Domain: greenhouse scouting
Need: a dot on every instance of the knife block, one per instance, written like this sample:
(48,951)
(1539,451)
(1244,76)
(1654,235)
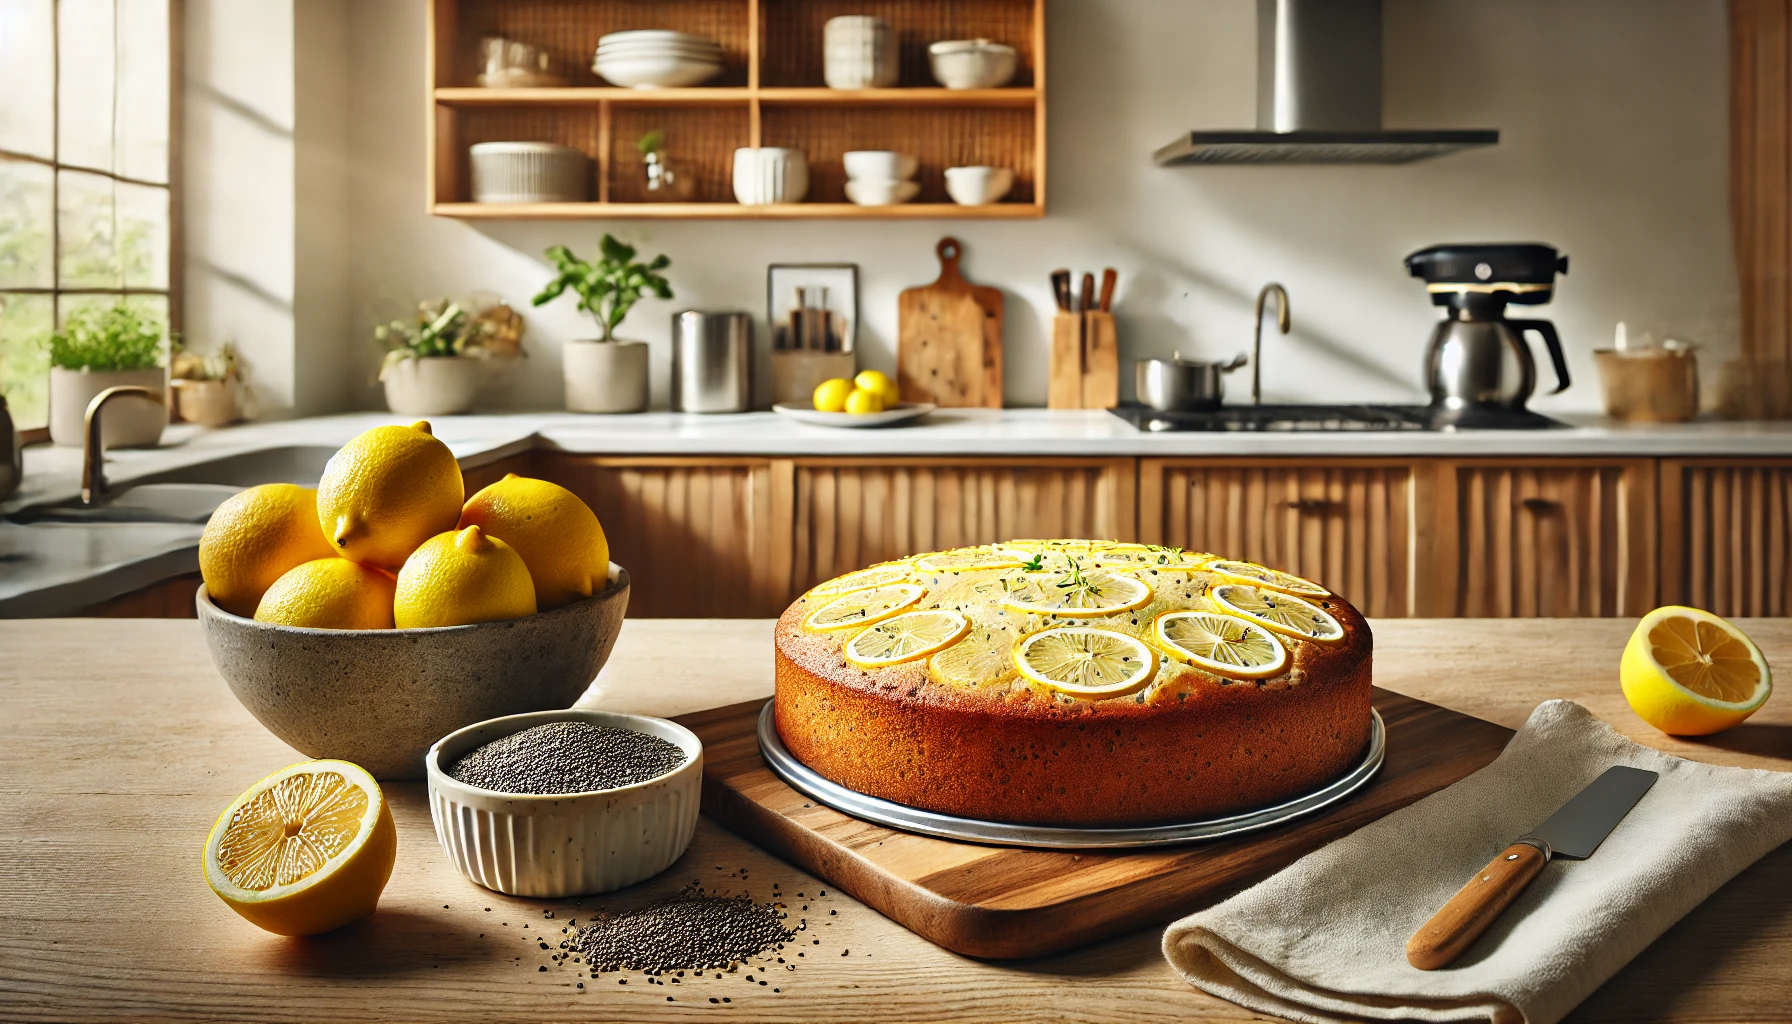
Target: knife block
(1085,362)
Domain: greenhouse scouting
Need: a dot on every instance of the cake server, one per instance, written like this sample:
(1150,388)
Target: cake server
(1574,832)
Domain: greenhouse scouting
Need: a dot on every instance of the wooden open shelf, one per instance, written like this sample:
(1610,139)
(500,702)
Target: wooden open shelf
(770,93)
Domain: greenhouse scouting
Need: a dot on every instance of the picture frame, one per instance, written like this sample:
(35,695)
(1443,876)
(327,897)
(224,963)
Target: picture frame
(829,323)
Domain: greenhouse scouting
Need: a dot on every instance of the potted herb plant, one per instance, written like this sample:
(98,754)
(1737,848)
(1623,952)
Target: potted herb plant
(435,362)
(206,386)
(606,374)
(99,347)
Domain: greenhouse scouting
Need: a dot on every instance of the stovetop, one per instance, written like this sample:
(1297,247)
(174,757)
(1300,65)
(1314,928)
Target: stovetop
(1330,418)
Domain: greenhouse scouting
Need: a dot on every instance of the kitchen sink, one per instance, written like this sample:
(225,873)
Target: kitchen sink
(187,494)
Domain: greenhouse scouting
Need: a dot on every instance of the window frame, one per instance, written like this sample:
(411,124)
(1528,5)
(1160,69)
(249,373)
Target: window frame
(176,260)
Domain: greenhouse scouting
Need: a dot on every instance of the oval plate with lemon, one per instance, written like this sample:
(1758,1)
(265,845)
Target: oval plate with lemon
(868,400)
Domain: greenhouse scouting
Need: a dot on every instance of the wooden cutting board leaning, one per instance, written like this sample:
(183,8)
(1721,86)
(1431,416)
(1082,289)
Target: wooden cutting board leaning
(949,339)
(1006,902)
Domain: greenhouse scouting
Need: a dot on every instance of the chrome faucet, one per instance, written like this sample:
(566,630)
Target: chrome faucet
(93,451)
(1282,324)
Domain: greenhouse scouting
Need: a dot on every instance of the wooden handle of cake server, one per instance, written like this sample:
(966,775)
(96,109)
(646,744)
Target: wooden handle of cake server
(1458,923)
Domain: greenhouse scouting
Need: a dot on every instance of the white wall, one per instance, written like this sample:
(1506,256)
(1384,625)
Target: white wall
(1614,126)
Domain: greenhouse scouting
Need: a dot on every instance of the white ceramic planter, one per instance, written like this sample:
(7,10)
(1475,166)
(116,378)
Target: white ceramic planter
(571,844)
(128,422)
(209,403)
(436,386)
(605,376)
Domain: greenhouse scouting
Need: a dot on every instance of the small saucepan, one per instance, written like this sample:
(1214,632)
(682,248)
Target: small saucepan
(1180,385)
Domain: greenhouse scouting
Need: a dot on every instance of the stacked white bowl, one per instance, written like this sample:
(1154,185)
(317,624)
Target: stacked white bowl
(880,177)
(657,58)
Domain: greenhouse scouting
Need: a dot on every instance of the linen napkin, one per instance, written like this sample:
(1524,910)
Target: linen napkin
(1325,938)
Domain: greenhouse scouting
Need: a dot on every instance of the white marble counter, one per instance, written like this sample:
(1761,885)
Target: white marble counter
(46,570)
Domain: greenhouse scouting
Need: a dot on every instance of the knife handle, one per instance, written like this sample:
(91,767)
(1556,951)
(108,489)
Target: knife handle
(1474,908)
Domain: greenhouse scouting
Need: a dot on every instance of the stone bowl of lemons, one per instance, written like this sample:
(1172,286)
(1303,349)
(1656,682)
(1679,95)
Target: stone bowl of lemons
(368,618)
(870,399)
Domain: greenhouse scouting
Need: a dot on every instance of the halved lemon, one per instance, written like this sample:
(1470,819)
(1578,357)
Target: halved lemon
(968,560)
(865,579)
(305,850)
(1085,661)
(983,657)
(863,607)
(1077,593)
(1263,576)
(907,637)
(1222,644)
(1283,613)
(1688,672)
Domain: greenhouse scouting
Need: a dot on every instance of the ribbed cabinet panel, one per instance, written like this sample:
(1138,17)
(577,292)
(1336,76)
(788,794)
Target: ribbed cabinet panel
(1349,527)
(851,514)
(1543,540)
(1727,536)
(696,533)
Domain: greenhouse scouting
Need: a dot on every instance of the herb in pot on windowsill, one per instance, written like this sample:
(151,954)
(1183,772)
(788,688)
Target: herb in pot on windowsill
(434,363)
(100,347)
(606,374)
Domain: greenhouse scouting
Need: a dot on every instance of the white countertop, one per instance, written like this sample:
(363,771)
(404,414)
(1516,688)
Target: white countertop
(50,569)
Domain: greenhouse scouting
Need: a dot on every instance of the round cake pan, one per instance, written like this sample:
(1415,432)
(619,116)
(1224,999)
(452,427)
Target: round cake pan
(1001,833)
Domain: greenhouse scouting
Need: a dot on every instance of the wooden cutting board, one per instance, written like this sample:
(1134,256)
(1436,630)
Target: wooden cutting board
(1006,903)
(949,339)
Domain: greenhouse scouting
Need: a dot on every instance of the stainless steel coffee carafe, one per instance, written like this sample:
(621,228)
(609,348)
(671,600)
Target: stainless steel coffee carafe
(1478,359)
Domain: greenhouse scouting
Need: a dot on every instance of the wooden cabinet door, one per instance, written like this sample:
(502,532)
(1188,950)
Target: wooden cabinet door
(850,513)
(1547,537)
(1347,524)
(695,534)
(1726,535)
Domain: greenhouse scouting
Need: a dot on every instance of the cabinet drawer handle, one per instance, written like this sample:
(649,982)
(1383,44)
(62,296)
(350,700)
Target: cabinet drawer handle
(1539,506)
(1312,506)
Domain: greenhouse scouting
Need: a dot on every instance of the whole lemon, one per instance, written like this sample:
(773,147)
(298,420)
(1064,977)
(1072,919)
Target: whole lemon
(455,579)
(872,380)
(557,534)
(862,401)
(830,395)
(330,593)
(386,492)
(254,538)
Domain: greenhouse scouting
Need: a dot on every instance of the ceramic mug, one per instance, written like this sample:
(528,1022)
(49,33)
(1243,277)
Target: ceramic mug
(770,174)
(859,52)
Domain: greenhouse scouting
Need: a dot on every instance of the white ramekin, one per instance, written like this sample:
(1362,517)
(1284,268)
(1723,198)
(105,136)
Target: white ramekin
(569,844)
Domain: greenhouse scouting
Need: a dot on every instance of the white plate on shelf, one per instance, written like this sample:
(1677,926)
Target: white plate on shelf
(902,412)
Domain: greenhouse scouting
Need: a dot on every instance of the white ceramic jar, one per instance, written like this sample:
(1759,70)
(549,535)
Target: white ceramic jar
(860,52)
(433,385)
(130,421)
(972,63)
(571,844)
(605,376)
(770,174)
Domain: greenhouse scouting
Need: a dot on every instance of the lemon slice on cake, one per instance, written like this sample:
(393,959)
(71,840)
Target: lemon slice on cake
(863,607)
(984,656)
(1077,593)
(1152,556)
(1688,672)
(1222,644)
(907,637)
(305,850)
(1263,576)
(1283,613)
(865,579)
(1086,661)
(968,560)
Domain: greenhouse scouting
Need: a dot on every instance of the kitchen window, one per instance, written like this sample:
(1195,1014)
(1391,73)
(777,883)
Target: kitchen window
(88,197)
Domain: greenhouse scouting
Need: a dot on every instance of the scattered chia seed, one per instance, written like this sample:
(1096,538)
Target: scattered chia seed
(567,757)
(685,931)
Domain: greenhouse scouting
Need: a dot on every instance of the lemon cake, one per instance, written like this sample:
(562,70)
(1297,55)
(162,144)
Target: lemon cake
(1068,682)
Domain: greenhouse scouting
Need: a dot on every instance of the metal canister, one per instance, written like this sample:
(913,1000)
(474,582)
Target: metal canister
(712,361)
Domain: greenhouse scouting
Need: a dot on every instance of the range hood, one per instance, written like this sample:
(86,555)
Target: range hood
(1319,96)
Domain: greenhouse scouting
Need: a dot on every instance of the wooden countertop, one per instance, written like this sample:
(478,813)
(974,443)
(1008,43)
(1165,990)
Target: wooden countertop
(119,745)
